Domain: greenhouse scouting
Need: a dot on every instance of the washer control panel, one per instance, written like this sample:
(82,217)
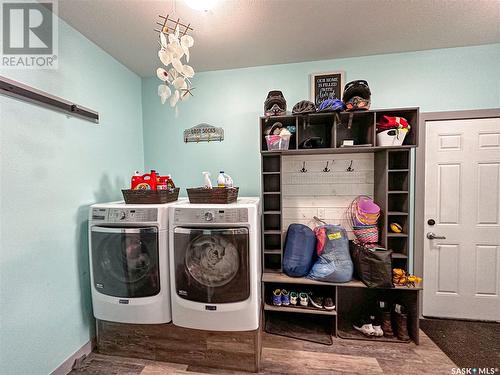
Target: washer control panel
(125,215)
(210,215)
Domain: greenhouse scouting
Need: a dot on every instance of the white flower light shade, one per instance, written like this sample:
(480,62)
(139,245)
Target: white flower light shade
(176,75)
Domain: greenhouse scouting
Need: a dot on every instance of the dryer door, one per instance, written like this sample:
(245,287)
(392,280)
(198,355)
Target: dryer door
(125,261)
(211,264)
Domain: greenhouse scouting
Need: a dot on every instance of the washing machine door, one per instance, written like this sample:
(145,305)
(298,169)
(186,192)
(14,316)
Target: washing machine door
(125,261)
(211,264)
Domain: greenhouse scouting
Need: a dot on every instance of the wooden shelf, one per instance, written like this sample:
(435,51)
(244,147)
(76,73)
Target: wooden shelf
(272,212)
(271,192)
(401,235)
(399,256)
(272,251)
(299,310)
(284,279)
(398,170)
(337,150)
(351,333)
(270,173)
(397,192)
(397,213)
(272,232)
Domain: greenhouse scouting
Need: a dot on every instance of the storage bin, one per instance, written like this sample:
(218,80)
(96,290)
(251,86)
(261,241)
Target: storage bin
(277,142)
(150,196)
(391,137)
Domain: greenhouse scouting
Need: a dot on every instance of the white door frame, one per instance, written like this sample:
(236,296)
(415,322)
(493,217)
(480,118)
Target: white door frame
(418,265)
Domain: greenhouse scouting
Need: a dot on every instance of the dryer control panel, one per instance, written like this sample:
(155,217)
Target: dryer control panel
(125,215)
(210,215)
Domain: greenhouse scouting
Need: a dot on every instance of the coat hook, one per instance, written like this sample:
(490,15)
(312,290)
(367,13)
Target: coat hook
(350,168)
(303,170)
(326,169)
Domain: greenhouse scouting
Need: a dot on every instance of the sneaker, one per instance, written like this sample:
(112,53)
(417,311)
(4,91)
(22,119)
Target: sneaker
(365,327)
(316,301)
(377,326)
(304,299)
(293,298)
(277,297)
(328,304)
(285,298)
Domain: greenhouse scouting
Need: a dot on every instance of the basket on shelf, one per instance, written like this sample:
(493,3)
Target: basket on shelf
(363,216)
(366,234)
(215,195)
(141,196)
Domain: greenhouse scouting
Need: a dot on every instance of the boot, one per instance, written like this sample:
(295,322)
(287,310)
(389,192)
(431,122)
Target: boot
(385,317)
(384,312)
(400,320)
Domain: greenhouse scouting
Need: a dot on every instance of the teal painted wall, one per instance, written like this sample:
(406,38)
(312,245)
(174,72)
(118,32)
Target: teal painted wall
(436,80)
(52,168)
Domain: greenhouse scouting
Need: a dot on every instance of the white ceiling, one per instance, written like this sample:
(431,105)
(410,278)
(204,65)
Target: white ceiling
(243,33)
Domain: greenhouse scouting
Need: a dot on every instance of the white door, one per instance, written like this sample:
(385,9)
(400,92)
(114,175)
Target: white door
(462,196)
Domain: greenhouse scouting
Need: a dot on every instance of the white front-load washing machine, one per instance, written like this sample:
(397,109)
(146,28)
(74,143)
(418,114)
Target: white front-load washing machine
(128,251)
(215,265)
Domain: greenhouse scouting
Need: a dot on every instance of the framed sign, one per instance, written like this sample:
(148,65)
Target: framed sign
(328,85)
(203,133)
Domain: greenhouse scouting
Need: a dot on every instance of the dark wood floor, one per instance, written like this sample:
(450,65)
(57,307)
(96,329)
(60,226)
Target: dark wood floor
(283,355)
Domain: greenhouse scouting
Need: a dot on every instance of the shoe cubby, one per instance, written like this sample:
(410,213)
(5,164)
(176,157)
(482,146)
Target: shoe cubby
(321,329)
(272,262)
(316,131)
(272,243)
(316,290)
(397,201)
(398,180)
(358,303)
(397,243)
(271,183)
(271,202)
(402,220)
(272,221)
(398,160)
(411,116)
(271,164)
(355,126)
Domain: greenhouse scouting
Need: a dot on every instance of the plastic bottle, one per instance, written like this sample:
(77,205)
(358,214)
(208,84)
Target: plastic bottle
(221,180)
(228,181)
(207,184)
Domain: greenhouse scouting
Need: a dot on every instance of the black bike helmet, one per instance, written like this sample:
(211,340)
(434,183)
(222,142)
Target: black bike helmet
(357,95)
(303,107)
(275,104)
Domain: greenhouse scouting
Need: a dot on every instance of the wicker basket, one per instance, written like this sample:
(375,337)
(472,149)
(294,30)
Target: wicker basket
(366,234)
(150,196)
(215,195)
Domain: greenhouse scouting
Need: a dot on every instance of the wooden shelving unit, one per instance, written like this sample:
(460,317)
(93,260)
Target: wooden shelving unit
(391,191)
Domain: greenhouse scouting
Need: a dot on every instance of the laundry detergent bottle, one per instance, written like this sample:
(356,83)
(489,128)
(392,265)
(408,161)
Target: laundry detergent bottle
(221,180)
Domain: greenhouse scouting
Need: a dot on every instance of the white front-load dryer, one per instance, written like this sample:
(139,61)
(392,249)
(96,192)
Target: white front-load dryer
(215,265)
(128,252)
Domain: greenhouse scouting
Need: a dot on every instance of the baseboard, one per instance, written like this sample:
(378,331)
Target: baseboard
(66,367)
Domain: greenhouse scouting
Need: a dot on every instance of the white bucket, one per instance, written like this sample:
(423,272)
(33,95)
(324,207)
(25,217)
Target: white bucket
(391,137)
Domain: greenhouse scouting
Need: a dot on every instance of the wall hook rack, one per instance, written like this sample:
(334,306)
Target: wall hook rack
(14,89)
(326,169)
(350,168)
(303,170)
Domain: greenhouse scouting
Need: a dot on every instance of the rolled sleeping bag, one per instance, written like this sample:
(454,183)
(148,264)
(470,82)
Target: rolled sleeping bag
(299,250)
